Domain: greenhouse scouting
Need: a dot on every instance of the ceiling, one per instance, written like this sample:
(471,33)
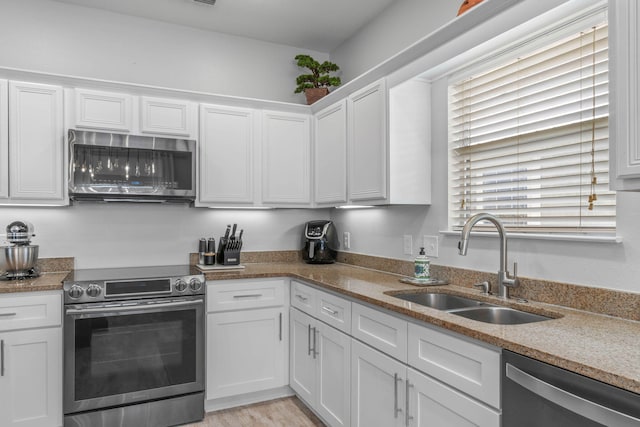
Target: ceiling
(307,24)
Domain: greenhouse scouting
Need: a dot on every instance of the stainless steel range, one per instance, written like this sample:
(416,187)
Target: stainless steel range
(134,347)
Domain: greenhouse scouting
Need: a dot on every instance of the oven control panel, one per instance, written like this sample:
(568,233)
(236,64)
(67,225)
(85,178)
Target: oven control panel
(87,291)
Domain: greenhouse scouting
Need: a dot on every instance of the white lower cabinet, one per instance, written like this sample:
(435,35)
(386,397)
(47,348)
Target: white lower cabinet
(430,403)
(377,392)
(247,346)
(30,361)
(320,366)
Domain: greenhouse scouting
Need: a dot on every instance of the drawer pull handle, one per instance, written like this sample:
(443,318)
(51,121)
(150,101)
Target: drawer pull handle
(248,296)
(331,312)
(301,298)
(1,358)
(280,325)
(8,314)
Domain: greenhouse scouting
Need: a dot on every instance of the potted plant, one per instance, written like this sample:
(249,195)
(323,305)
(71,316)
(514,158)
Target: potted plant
(316,84)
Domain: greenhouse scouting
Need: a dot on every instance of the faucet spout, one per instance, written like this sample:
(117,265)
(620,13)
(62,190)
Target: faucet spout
(505,281)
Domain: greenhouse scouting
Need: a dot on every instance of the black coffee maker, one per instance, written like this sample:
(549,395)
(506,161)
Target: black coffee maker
(320,241)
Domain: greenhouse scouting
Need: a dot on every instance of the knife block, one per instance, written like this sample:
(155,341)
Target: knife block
(229,252)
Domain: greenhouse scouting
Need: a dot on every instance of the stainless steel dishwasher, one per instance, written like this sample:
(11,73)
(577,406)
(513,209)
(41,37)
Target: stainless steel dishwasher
(535,394)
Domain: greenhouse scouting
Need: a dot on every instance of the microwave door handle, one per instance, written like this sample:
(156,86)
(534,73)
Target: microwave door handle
(586,408)
(132,307)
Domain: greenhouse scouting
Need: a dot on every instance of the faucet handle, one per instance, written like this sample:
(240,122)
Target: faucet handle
(513,281)
(515,270)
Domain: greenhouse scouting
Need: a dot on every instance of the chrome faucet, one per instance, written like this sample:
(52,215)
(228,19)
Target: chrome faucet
(505,280)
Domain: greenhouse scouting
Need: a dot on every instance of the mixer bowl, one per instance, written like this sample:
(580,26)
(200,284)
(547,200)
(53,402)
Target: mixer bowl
(16,260)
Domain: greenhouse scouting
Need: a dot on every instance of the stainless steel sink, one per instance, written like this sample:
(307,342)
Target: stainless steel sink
(500,315)
(440,301)
(471,308)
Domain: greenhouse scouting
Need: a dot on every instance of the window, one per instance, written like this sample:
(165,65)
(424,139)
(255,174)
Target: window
(528,139)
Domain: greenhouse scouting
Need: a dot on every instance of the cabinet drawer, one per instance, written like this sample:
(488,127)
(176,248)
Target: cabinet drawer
(380,330)
(471,368)
(334,311)
(27,311)
(303,297)
(239,295)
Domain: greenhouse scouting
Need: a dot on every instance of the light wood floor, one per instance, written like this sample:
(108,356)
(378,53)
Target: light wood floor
(285,412)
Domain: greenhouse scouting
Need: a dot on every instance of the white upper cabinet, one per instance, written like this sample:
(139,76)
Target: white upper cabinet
(389,140)
(227,145)
(624,129)
(4,139)
(330,155)
(286,159)
(167,116)
(367,127)
(35,143)
(104,110)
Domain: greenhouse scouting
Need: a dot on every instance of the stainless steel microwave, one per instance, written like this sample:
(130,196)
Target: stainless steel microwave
(116,167)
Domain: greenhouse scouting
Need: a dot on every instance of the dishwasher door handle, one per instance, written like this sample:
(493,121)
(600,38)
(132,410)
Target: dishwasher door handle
(579,405)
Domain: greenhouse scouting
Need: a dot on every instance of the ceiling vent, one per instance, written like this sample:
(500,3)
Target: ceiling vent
(209,2)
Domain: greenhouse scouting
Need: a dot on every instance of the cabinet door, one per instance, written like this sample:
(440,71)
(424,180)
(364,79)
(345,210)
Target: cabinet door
(4,139)
(36,143)
(302,359)
(226,155)
(286,158)
(31,384)
(104,110)
(367,115)
(246,351)
(333,398)
(430,403)
(377,388)
(167,116)
(624,51)
(330,155)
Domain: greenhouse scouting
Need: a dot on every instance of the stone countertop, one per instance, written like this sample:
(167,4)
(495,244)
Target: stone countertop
(601,347)
(49,281)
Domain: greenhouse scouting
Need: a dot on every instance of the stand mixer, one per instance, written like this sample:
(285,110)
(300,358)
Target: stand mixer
(18,260)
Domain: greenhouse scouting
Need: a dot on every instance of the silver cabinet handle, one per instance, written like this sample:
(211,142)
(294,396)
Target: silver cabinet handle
(1,358)
(309,340)
(331,312)
(396,408)
(315,353)
(407,417)
(280,325)
(301,298)
(248,296)
(586,408)
(8,314)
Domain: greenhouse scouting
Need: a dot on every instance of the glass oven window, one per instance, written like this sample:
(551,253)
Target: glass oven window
(134,352)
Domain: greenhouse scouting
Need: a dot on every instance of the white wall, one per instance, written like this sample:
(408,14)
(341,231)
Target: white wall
(402,24)
(123,234)
(43,35)
(379,231)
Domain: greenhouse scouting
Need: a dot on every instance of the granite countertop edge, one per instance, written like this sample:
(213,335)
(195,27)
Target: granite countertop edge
(601,347)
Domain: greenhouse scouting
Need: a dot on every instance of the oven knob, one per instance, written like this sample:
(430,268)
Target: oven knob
(93,290)
(181,285)
(195,284)
(75,291)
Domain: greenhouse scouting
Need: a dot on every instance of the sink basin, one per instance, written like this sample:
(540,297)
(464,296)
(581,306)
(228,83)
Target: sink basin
(471,308)
(500,315)
(440,301)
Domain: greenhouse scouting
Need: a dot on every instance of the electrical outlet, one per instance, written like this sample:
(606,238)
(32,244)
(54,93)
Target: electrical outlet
(408,244)
(430,246)
(346,240)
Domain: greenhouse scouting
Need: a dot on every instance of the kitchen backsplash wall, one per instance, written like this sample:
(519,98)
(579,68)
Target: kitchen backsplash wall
(124,234)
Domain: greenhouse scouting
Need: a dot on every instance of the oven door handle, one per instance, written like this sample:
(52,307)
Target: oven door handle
(132,307)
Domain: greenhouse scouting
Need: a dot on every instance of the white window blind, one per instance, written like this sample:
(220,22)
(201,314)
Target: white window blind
(529,140)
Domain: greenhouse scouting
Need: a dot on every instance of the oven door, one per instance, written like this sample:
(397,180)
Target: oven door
(134,351)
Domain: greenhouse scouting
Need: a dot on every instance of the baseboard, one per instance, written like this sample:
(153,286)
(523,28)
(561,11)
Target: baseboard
(247,398)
